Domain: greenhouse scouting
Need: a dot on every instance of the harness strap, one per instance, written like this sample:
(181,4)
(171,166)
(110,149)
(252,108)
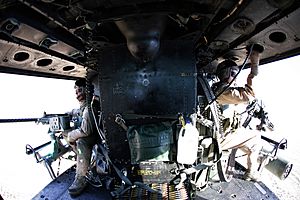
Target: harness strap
(210,96)
(122,189)
(120,174)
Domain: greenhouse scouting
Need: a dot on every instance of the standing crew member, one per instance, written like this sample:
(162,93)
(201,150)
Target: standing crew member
(237,137)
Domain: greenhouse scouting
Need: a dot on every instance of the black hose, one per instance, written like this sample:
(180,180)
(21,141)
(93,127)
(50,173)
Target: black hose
(90,105)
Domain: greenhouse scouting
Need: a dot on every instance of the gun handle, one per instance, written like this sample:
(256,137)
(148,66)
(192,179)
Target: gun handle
(247,121)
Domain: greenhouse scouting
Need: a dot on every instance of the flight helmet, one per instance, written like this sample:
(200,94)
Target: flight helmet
(226,69)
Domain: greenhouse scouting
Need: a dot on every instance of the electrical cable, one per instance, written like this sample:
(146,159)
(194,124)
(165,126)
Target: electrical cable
(101,134)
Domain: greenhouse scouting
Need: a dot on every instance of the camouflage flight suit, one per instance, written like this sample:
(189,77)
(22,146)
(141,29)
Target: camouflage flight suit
(82,140)
(235,136)
(236,95)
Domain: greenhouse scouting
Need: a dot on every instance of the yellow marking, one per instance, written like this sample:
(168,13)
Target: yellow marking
(148,172)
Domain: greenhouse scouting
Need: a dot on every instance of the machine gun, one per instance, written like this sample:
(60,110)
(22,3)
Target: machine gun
(57,146)
(256,110)
(268,154)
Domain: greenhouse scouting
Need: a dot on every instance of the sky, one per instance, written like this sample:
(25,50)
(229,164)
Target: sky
(28,97)
(277,85)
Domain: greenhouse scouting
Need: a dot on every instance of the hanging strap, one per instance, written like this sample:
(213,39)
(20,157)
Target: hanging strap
(120,174)
(212,105)
(214,124)
(210,96)
(123,189)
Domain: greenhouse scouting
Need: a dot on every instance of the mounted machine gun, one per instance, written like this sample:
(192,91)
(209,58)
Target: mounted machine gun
(268,154)
(54,149)
(57,146)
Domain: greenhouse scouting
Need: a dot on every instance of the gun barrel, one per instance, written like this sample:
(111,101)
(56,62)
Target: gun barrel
(18,120)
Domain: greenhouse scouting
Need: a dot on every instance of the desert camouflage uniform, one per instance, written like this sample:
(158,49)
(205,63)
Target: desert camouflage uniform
(236,136)
(85,138)
(82,140)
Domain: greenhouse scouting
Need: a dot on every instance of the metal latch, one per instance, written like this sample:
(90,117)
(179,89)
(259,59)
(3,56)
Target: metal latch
(121,122)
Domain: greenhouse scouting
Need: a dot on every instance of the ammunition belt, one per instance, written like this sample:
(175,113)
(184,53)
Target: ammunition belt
(165,192)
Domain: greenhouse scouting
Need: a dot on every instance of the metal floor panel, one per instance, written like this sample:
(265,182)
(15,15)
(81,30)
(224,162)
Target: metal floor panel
(58,189)
(237,189)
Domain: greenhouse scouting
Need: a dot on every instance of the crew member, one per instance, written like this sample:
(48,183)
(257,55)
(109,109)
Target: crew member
(235,136)
(82,139)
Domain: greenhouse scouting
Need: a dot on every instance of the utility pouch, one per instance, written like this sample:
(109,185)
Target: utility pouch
(150,142)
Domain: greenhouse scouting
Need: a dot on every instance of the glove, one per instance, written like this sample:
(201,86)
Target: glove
(254,59)
(70,139)
(74,135)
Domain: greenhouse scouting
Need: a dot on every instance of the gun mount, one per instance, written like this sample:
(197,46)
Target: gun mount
(57,146)
(269,159)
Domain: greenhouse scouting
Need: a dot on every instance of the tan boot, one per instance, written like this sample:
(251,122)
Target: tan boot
(77,186)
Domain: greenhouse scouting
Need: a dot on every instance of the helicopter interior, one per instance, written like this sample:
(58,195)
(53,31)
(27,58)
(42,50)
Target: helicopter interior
(146,58)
